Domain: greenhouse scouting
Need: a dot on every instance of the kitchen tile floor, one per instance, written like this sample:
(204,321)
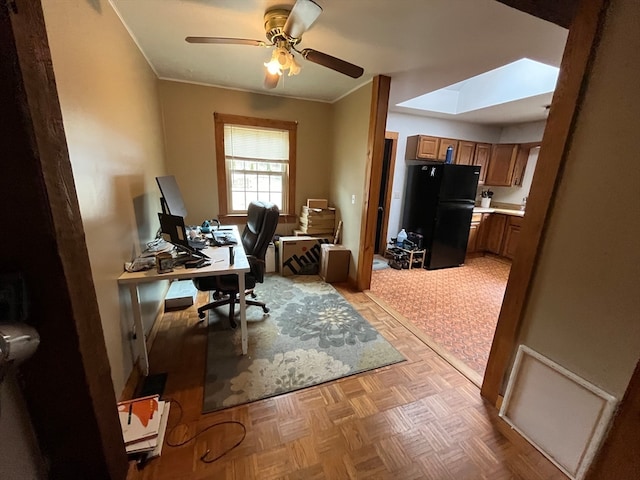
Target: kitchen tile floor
(457,308)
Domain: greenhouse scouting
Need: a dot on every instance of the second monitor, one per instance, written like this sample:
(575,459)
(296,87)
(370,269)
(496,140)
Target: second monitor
(173,225)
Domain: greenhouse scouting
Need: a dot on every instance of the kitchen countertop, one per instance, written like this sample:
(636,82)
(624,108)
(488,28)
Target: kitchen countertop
(504,211)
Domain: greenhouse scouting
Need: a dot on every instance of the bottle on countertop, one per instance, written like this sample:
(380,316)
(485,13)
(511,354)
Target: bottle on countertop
(402,236)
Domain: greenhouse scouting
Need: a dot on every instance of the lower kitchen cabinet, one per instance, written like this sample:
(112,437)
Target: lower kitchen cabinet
(473,244)
(511,236)
(494,233)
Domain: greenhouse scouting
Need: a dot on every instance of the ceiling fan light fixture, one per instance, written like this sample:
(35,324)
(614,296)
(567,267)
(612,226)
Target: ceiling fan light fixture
(281,61)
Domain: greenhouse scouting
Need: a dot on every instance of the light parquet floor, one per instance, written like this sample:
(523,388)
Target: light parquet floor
(420,419)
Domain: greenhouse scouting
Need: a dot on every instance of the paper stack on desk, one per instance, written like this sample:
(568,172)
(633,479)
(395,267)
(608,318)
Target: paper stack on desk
(144,424)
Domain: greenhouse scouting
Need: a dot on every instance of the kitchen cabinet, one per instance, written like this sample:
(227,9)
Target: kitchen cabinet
(474,244)
(442,149)
(493,233)
(464,154)
(511,236)
(481,157)
(501,165)
(522,157)
(422,147)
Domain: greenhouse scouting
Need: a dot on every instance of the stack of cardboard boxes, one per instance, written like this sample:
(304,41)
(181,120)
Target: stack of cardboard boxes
(317,219)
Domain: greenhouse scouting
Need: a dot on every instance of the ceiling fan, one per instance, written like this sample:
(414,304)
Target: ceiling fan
(284,29)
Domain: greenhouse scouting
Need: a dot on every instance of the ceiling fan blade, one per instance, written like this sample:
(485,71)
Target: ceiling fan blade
(333,63)
(302,16)
(271,80)
(226,41)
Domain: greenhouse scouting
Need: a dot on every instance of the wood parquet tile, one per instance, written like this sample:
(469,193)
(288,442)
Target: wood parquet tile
(419,419)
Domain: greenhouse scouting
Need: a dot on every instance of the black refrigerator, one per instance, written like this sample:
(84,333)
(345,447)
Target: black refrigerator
(438,204)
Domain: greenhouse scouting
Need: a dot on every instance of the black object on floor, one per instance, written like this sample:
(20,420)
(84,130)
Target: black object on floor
(153,385)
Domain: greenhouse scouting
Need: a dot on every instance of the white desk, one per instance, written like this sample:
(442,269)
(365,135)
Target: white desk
(219,266)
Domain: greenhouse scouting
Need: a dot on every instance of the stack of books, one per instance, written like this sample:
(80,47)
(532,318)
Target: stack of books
(317,221)
(144,424)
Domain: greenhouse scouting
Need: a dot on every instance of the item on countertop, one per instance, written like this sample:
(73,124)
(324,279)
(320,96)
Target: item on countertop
(486,193)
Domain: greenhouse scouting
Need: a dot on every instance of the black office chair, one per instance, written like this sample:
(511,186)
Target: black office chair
(262,220)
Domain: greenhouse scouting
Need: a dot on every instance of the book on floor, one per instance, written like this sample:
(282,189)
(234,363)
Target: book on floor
(140,418)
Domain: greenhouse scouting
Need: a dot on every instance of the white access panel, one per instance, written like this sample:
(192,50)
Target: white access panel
(561,414)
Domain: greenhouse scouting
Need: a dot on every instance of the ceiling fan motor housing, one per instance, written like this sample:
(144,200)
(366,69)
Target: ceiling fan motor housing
(274,21)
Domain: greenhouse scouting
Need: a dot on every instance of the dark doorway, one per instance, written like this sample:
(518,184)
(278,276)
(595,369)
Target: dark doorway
(384,199)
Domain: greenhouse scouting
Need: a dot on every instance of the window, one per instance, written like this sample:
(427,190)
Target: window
(255,161)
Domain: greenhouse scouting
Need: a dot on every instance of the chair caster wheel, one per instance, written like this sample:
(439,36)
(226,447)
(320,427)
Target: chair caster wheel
(201,315)
(265,309)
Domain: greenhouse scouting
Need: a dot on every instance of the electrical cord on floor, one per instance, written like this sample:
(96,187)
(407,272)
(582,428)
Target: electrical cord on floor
(204,458)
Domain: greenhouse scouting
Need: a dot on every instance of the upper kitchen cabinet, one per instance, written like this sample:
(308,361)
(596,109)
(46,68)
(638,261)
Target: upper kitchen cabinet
(522,157)
(422,147)
(508,163)
(464,154)
(481,157)
(444,144)
(501,165)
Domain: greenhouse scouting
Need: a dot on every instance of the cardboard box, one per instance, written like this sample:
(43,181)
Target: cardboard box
(181,294)
(317,202)
(270,259)
(334,263)
(300,255)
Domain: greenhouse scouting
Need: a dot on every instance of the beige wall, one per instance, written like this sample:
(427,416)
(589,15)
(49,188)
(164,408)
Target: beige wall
(112,121)
(584,307)
(190,145)
(349,160)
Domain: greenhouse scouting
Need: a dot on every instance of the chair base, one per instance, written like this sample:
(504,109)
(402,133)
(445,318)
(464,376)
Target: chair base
(231,300)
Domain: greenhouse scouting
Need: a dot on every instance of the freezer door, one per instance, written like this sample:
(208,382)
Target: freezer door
(459,183)
(450,235)
(421,198)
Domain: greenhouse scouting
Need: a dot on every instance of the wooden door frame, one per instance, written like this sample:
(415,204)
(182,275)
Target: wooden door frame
(576,63)
(373,178)
(67,384)
(393,136)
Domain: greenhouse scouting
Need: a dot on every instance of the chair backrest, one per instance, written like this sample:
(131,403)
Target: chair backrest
(262,220)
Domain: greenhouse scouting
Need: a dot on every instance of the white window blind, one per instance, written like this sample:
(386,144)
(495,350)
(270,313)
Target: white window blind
(257,166)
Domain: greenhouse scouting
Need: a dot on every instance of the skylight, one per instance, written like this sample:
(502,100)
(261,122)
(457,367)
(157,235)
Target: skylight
(521,79)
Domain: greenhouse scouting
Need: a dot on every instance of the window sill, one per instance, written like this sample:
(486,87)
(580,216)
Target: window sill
(241,218)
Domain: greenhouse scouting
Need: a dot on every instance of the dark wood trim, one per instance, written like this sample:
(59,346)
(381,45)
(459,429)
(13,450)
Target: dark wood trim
(576,63)
(619,456)
(561,13)
(393,136)
(241,219)
(67,384)
(373,177)
(220,119)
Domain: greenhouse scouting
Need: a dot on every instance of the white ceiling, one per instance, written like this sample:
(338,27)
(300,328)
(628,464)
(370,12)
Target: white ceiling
(423,45)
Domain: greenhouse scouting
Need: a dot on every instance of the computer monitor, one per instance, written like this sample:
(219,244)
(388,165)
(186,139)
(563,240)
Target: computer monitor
(173,225)
(171,198)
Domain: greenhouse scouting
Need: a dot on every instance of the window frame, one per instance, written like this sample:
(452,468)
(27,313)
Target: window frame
(222,119)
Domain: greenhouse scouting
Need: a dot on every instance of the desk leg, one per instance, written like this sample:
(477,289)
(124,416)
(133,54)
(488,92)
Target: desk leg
(141,343)
(243,315)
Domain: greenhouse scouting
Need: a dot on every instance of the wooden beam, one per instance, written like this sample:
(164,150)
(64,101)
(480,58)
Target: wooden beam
(578,56)
(558,12)
(619,456)
(373,177)
(67,383)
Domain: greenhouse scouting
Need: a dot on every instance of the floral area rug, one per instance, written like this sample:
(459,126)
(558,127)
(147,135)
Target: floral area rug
(311,335)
